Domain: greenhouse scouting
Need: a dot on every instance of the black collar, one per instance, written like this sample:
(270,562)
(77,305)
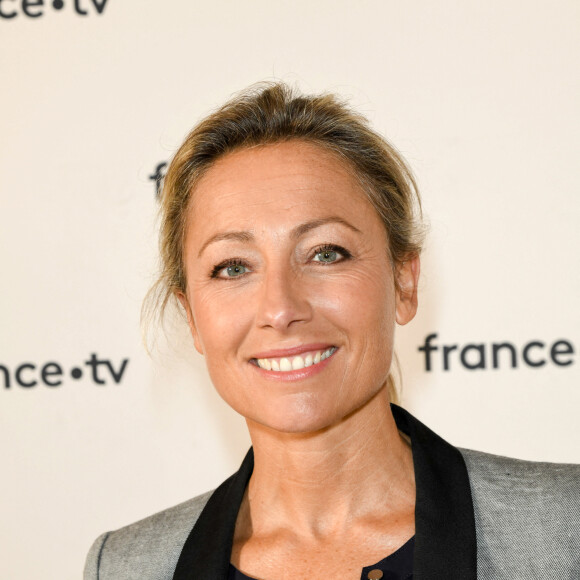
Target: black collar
(445,543)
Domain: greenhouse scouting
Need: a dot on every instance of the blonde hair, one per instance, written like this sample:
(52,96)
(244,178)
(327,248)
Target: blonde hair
(269,113)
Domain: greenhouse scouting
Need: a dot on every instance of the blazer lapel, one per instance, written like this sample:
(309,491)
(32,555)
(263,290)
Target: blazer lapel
(445,542)
(207,550)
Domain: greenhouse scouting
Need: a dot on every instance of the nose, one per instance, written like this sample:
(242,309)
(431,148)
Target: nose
(283,300)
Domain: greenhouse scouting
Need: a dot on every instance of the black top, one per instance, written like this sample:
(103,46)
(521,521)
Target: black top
(445,543)
(397,566)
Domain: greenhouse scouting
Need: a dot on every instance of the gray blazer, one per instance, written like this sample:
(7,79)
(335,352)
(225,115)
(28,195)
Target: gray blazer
(476,516)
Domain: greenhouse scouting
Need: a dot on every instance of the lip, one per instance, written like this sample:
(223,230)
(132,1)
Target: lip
(297,375)
(294,351)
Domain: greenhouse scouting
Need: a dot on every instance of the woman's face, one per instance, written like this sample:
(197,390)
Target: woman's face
(290,292)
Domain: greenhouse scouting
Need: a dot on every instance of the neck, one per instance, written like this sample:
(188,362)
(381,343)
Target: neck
(324,481)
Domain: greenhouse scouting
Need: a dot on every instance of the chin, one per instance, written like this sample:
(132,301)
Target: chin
(298,427)
(297,418)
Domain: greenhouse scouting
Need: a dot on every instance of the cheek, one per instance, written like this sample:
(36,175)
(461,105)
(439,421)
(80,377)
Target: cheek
(221,327)
(221,321)
(360,299)
(368,325)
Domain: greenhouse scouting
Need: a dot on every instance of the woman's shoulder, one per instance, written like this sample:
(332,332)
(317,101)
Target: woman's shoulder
(152,544)
(527,516)
(504,474)
(541,490)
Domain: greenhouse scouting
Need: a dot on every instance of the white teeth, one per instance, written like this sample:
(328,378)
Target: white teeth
(265,364)
(297,363)
(327,353)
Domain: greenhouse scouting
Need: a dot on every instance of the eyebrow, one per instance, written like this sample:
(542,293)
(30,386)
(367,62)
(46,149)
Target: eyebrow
(246,236)
(306,227)
(236,236)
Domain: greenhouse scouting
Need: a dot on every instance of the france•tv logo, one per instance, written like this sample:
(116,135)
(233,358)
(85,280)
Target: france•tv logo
(36,8)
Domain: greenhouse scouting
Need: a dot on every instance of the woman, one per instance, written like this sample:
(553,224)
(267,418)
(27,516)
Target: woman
(291,239)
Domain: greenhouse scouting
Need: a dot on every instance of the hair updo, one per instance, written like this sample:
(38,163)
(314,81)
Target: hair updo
(270,113)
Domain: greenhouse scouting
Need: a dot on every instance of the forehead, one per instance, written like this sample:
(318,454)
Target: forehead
(277,185)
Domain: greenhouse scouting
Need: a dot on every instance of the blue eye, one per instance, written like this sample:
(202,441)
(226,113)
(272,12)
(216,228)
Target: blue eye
(330,253)
(326,256)
(235,270)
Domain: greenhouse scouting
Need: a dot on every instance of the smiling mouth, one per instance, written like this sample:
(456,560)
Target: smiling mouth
(294,363)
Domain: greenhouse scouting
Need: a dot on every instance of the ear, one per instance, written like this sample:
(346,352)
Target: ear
(190,321)
(407,281)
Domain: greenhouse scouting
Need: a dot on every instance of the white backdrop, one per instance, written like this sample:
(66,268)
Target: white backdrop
(481,98)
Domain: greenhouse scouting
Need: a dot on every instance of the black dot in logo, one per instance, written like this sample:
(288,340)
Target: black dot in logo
(57,5)
(76,373)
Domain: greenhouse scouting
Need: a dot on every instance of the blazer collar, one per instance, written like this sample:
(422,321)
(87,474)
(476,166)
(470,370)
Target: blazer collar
(445,542)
